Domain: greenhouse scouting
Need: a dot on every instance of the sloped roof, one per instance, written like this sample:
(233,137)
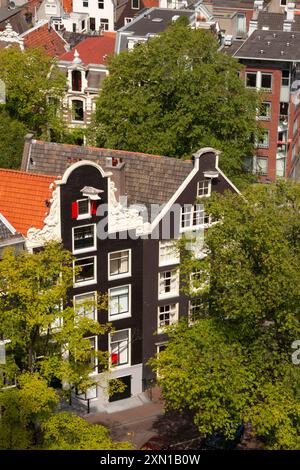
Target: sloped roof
(148,178)
(68,6)
(23,198)
(93,50)
(45,38)
(274,21)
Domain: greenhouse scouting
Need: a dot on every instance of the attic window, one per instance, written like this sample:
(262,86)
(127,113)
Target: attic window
(76,80)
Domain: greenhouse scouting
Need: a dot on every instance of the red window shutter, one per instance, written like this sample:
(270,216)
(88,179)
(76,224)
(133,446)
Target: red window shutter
(114,358)
(74,210)
(93,207)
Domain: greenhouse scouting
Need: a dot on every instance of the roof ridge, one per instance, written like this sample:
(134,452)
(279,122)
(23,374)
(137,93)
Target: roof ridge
(114,150)
(22,172)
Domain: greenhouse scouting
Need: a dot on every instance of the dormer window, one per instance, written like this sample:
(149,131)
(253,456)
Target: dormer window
(76,80)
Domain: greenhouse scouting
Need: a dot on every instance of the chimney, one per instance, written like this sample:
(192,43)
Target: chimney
(26,152)
(290,12)
(253,26)
(116,166)
(258,5)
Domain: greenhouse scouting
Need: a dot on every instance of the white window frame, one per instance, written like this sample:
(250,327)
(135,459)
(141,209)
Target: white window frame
(251,73)
(102,2)
(91,293)
(122,275)
(269,74)
(121,366)
(105,23)
(95,371)
(173,315)
(83,108)
(268,117)
(135,8)
(84,250)
(119,316)
(175,259)
(202,286)
(256,171)
(127,20)
(190,320)
(89,282)
(204,188)
(172,293)
(262,145)
(191,210)
(85,215)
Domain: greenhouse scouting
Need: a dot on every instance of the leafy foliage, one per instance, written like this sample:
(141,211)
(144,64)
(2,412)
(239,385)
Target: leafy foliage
(175,94)
(234,363)
(34,86)
(12,140)
(46,336)
(64,431)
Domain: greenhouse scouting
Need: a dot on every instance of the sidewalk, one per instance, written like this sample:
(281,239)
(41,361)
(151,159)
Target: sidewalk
(134,424)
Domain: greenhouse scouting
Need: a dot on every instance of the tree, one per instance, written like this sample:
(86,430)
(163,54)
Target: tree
(29,420)
(64,431)
(12,141)
(234,363)
(175,94)
(45,334)
(34,87)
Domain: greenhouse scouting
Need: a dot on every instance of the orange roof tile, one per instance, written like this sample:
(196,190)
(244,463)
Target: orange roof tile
(44,38)
(22,198)
(151,3)
(93,49)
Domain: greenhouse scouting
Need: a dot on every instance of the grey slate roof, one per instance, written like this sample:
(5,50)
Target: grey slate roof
(154,21)
(148,178)
(271,45)
(274,21)
(7,236)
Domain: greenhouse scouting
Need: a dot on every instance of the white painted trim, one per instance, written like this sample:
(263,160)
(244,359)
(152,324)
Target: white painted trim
(173,294)
(123,366)
(84,250)
(7,224)
(89,282)
(76,165)
(161,329)
(120,316)
(94,292)
(185,183)
(118,276)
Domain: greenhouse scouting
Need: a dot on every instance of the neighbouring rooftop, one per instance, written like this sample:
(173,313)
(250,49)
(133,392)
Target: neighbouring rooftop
(271,45)
(92,50)
(24,198)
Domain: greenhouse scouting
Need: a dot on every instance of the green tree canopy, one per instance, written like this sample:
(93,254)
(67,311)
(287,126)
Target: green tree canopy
(46,335)
(175,94)
(234,363)
(12,140)
(34,87)
(29,420)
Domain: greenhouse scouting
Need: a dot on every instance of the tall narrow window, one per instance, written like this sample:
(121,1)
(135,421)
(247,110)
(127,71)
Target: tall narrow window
(77,110)
(76,80)
(119,345)
(167,315)
(119,302)
(169,283)
(119,264)
(135,4)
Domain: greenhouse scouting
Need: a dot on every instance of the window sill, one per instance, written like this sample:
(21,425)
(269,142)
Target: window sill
(119,317)
(84,283)
(84,250)
(84,216)
(168,296)
(118,276)
(123,366)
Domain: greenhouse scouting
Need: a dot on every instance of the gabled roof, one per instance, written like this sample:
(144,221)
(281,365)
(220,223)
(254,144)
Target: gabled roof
(45,38)
(148,178)
(23,198)
(93,50)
